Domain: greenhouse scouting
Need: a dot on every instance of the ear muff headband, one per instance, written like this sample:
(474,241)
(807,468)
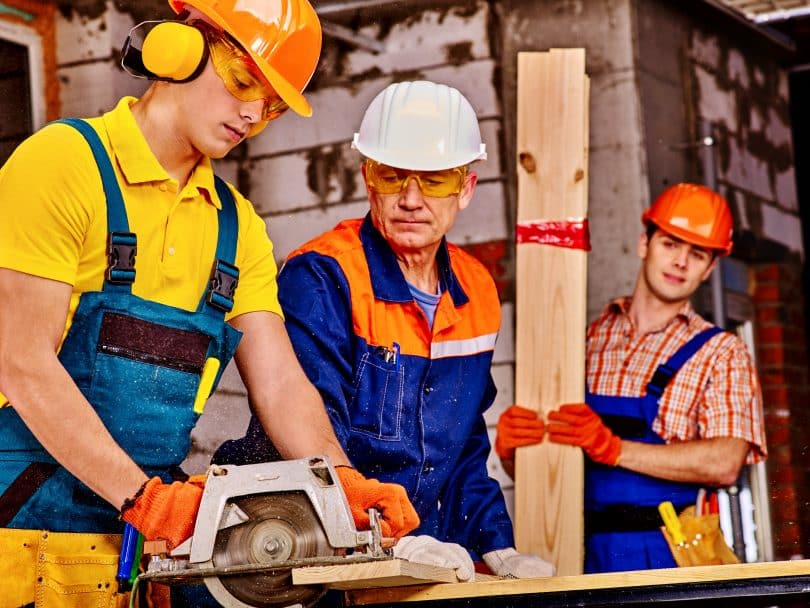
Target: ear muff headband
(171,51)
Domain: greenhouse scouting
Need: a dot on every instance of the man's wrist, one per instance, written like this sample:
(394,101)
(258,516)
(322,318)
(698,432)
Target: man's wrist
(130,502)
(620,443)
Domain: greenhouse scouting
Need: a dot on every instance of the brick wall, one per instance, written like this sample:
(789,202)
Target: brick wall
(782,362)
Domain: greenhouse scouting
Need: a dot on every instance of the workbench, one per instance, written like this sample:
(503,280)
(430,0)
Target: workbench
(741,585)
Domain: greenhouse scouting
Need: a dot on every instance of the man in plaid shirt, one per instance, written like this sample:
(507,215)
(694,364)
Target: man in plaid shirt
(673,403)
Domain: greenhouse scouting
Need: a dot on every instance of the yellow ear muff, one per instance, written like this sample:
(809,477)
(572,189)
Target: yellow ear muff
(173,50)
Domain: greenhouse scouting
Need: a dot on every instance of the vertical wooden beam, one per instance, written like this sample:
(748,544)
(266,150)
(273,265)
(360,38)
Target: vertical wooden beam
(552,140)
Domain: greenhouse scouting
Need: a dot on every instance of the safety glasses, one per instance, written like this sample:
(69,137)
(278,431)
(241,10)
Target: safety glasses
(241,76)
(437,184)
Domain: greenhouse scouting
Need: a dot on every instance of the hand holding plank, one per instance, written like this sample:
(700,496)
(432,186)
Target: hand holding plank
(577,424)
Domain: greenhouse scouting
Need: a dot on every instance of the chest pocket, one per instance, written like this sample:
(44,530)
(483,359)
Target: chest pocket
(376,406)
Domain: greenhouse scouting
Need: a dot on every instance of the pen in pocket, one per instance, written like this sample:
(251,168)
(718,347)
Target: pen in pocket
(389,355)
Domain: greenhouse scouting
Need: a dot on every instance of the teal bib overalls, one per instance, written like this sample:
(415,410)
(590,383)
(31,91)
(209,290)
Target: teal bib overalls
(138,363)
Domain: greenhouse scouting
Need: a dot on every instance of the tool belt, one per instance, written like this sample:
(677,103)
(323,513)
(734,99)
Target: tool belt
(701,540)
(59,570)
(622,518)
(47,569)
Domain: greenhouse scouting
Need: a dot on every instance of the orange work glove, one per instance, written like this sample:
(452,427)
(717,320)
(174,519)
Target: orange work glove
(517,427)
(397,513)
(577,424)
(162,511)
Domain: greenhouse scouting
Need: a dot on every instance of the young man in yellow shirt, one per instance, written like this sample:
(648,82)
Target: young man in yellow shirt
(129,275)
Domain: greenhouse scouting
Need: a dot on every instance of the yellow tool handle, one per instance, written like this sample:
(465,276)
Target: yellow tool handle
(207,378)
(671,521)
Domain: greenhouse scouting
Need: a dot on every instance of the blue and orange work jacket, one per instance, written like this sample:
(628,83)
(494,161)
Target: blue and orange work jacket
(406,401)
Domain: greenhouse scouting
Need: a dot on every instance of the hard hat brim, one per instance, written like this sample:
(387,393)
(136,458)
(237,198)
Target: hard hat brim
(689,237)
(417,162)
(289,93)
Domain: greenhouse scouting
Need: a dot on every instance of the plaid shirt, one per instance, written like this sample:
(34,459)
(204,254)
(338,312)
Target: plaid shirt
(715,394)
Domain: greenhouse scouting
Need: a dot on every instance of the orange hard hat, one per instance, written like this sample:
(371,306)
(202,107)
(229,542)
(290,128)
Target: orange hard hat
(283,37)
(694,214)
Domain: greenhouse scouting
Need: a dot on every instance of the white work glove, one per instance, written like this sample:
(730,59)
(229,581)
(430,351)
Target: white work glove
(508,562)
(427,550)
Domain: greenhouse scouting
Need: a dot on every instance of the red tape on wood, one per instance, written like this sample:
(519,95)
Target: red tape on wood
(572,233)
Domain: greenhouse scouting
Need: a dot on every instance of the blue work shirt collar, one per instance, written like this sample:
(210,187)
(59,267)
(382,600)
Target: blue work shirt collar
(387,279)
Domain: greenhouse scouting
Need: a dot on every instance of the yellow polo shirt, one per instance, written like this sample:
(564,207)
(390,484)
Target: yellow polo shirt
(53,219)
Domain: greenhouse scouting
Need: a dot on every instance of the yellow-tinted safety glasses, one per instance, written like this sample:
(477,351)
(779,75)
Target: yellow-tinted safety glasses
(241,76)
(438,184)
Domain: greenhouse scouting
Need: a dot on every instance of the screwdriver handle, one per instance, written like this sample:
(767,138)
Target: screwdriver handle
(671,521)
(131,544)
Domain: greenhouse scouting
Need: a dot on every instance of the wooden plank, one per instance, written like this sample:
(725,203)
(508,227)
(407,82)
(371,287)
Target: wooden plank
(387,573)
(611,580)
(552,142)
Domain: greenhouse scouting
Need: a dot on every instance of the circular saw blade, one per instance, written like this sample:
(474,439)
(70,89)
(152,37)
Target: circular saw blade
(281,527)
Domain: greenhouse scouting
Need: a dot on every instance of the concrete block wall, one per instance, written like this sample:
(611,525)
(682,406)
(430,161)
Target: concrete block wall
(88,49)
(693,71)
(660,30)
(617,184)
(744,94)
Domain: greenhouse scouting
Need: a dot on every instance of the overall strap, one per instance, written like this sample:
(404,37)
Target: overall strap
(22,488)
(218,297)
(666,371)
(121,243)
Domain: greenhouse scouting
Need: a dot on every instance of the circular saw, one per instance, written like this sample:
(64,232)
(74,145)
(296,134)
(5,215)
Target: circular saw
(258,522)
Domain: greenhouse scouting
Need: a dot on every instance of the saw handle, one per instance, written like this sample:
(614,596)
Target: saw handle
(387,542)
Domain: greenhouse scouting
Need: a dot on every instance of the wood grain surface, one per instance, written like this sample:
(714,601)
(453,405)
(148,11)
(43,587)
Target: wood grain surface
(640,578)
(552,142)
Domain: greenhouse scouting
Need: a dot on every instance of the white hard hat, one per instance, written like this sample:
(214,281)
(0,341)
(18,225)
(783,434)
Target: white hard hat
(420,125)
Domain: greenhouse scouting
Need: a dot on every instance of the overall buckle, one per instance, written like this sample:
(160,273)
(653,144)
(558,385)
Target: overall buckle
(222,285)
(122,247)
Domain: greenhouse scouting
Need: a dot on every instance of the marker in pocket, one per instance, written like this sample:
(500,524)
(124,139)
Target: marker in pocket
(389,355)
(207,378)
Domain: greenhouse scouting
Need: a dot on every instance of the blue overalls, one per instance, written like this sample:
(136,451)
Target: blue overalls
(622,524)
(136,361)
